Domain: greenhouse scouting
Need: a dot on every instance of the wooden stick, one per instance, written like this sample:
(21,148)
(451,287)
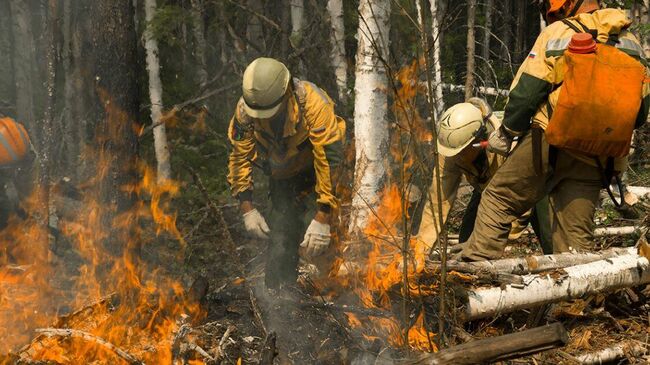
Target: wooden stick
(501,348)
(613,353)
(569,283)
(67,333)
(537,264)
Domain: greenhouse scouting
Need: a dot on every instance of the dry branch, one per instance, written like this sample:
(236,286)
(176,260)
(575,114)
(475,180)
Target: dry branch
(68,333)
(501,348)
(569,283)
(537,264)
(613,353)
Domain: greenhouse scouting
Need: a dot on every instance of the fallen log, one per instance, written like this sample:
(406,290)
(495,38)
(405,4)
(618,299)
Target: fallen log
(537,264)
(617,231)
(501,348)
(613,353)
(568,283)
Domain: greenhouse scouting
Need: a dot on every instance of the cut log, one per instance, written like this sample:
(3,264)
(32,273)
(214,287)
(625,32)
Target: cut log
(502,348)
(537,264)
(613,353)
(617,231)
(565,284)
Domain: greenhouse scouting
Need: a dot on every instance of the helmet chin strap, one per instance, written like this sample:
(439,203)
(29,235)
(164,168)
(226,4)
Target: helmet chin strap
(575,8)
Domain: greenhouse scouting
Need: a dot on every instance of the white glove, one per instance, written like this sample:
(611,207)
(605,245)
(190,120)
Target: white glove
(500,142)
(255,224)
(317,239)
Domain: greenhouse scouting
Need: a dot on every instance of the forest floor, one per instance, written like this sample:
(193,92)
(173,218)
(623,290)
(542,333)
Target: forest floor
(308,334)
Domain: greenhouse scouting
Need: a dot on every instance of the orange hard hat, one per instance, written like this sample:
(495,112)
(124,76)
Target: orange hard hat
(14,141)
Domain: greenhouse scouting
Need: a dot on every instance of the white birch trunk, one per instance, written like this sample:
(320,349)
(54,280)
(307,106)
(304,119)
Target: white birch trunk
(335,9)
(155,95)
(297,21)
(471,49)
(536,264)
(370,109)
(607,355)
(542,23)
(437,66)
(575,282)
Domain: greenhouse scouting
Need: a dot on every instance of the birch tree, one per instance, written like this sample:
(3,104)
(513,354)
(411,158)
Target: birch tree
(487,36)
(155,95)
(337,38)
(254,29)
(370,108)
(437,66)
(297,21)
(471,49)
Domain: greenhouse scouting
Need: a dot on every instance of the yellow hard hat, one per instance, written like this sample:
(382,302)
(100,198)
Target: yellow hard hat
(264,85)
(457,128)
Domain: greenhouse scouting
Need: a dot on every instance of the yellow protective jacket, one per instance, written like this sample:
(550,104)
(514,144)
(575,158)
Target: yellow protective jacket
(478,173)
(536,88)
(312,138)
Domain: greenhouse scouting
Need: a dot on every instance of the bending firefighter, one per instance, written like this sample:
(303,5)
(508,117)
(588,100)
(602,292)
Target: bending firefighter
(288,128)
(574,104)
(460,132)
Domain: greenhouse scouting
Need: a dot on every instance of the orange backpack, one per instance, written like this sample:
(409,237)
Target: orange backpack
(599,101)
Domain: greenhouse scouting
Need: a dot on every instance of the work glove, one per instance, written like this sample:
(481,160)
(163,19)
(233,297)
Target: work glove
(255,224)
(317,239)
(500,142)
(482,105)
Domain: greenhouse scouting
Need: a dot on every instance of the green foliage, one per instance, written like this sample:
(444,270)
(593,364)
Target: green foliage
(168,22)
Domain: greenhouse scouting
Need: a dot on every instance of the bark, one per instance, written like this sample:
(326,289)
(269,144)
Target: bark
(7,87)
(506,34)
(436,32)
(570,283)
(537,264)
(645,19)
(155,96)
(521,27)
(198,30)
(24,65)
(640,191)
(254,30)
(501,348)
(542,23)
(610,354)
(487,36)
(471,49)
(116,98)
(337,38)
(370,109)
(297,22)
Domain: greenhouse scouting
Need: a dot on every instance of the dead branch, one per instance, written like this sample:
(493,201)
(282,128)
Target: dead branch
(618,351)
(68,333)
(511,346)
(224,338)
(63,320)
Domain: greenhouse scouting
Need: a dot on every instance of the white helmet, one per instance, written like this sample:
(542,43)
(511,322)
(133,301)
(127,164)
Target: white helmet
(458,127)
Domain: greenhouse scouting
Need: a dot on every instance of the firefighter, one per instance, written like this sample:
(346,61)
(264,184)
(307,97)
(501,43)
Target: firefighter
(286,127)
(16,159)
(573,163)
(460,132)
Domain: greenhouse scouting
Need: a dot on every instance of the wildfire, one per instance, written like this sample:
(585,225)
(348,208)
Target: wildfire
(120,298)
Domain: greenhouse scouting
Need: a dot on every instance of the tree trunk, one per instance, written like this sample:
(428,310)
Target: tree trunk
(506,34)
(198,29)
(115,75)
(471,49)
(7,86)
(436,32)
(155,95)
(611,354)
(487,36)
(24,66)
(572,283)
(521,27)
(297,22)
(255,30)
(370,109)
(645,19)
(337,38)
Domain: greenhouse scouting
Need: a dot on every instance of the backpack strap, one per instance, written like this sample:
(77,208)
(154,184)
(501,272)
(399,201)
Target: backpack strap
(612,39)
